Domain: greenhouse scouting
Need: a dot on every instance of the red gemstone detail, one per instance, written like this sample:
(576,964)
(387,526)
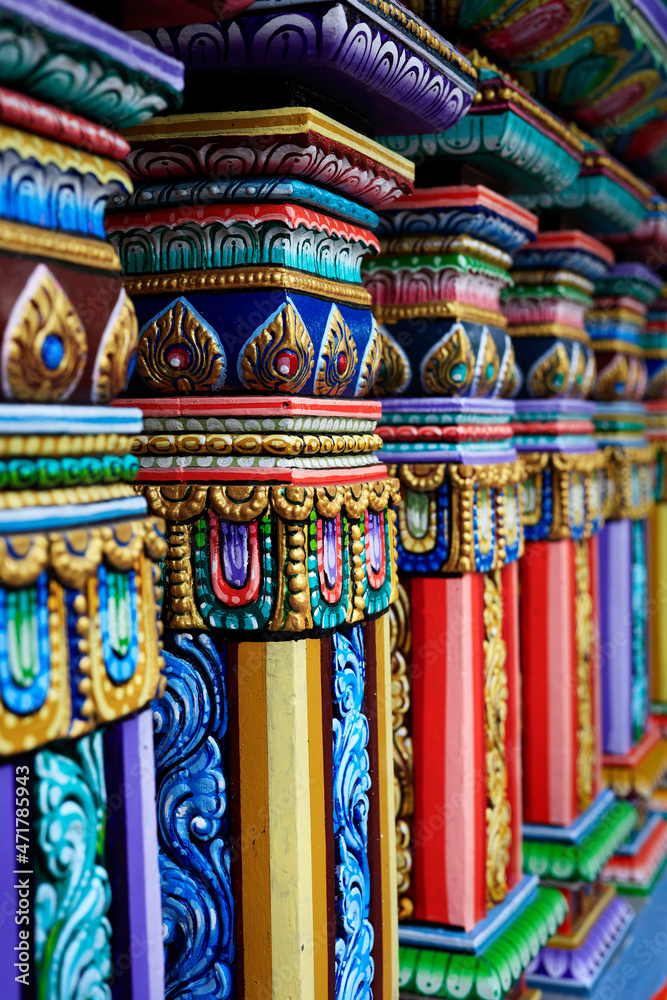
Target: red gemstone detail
(287,363)
(342,363)
(178,357)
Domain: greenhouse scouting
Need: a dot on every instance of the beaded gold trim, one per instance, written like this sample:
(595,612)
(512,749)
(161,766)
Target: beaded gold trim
(246,279)
(434,310)
(35,242)
(15,499)
(559,330)
(255,444)
(624,346)
(63,446)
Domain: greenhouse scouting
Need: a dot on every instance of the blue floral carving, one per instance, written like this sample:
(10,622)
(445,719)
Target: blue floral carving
(72,931)
(352,781)
(193,824)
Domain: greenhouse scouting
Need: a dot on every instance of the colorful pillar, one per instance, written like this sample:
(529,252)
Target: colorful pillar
(242,248)
(447,366)
(572,825)
(654,344)
(635,756)
(80,653)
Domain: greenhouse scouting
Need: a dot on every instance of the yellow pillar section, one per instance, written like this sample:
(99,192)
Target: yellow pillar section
(254,821)
(319,847)
(657,548)
(389,928)
(292,951)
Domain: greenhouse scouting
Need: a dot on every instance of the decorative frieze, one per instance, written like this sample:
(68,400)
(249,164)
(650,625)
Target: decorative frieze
(380,60)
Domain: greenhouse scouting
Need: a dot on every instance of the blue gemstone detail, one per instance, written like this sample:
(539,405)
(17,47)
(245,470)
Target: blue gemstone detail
(53,351)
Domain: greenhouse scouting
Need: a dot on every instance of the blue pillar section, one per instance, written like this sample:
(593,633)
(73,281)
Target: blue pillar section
(191,762)
(72,945)
(351,783)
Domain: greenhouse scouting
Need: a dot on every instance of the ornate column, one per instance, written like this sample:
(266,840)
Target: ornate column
(80,656)
(607,198)
(648,243)
(635,755)
(571,825)
(447,364)
(280,525)
(242,249)
(654,344)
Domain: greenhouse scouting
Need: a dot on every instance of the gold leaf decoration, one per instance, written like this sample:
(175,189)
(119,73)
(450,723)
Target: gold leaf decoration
(657,383)
(496,697)
(46,347)
(512,384)
(116,351)
(589,374)
(338,357)
(507,371)
(549,375)
(281,356)
(487,366)
(578,367)
(583,620)
(448,368)
(370,366)
(612,380)
(180,352)
(394,373)
(637,378)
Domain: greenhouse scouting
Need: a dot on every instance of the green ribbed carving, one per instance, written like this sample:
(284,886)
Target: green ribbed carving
(563,861)
(489,975)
